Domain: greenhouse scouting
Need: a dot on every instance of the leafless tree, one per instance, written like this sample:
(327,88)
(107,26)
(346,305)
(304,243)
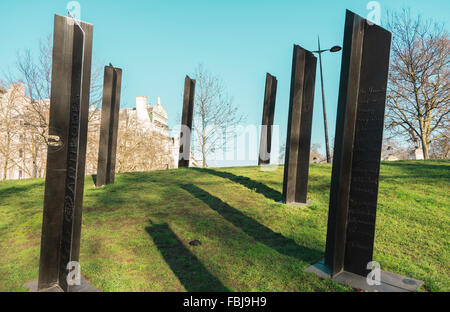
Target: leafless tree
(34,73)
(9,126)
(129,142)
(215,116)
(440,149)
(418,93)
(137,150)
(140,149)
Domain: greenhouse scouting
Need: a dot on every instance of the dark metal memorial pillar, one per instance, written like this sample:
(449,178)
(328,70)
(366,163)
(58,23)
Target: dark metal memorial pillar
(356,163)
(109,126)
(186,122)
(270,95)
(298,143)
(357,151)
(64,184)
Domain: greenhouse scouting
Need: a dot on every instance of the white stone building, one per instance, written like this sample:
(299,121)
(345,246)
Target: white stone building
(155,119)
(23,154)
(416,153)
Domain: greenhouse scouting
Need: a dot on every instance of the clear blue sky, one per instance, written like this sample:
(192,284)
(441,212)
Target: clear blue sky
(158,42)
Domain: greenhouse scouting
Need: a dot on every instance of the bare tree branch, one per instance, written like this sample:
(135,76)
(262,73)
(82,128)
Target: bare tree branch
(418,91)
(215,115)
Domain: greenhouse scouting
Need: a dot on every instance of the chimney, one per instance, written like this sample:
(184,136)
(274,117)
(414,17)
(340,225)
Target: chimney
(159,100)
(141,101)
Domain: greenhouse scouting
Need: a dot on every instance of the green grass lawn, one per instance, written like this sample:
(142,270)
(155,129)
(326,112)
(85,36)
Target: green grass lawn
(136,233)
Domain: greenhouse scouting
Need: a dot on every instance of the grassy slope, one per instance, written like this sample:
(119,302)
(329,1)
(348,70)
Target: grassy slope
(136,233)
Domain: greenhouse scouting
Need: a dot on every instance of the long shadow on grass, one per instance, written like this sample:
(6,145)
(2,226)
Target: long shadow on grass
(254,229)
(18,190)
(260,188)
(185,265)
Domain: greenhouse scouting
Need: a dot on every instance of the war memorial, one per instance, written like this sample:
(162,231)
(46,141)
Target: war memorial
(351,193)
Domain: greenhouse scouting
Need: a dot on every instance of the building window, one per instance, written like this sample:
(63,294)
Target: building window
(20,153)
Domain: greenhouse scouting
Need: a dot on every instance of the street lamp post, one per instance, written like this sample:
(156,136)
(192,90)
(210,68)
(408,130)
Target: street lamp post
(319,51)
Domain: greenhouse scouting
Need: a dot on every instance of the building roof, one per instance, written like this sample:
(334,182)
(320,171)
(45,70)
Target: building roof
(160,110)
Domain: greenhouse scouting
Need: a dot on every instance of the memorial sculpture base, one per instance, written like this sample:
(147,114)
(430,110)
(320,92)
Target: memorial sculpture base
(309,202)
(390,282)
(85,287)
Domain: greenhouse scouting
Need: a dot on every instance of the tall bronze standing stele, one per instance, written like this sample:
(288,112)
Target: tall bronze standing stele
(64,183)
(298,142)
(106,167)
(186,122)
(270,95)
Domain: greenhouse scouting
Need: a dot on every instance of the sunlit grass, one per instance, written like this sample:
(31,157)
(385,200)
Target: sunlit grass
(136,233)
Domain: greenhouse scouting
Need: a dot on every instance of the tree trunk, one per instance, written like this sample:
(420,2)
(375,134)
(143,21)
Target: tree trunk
(425,149)
(5,169)
(34,157)
(203,154)
(8,151)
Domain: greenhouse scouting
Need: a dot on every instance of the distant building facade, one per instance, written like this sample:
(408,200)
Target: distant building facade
(144,141)
(416,153)
(22,143)
(145,134)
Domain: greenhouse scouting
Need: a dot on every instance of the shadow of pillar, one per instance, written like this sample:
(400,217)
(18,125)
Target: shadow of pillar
(258,187)
(254,229)
(185,265)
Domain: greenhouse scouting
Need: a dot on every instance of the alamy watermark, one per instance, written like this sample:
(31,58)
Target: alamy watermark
(374,277)
(74,10)
(237,143)
(74,275)
(374,16)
